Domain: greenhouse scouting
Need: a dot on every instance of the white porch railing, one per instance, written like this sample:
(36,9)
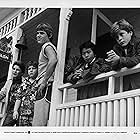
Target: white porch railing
(120,109)
(22,16)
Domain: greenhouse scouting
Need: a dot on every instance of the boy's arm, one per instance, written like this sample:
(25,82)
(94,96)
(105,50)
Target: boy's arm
(2,94)
(52,56)
(100,66)
(128,61)
(16,107)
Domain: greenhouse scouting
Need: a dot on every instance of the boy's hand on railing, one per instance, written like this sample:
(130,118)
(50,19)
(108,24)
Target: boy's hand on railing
(15,115)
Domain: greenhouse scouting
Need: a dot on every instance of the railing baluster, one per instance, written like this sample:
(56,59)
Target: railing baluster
(130,112)
(76,118)
(30,12)
(137,111)
(14,22)
(109,113)
(58,120)
(92,115)
(72,117)
(8,25)
(111,85)
(97,115)
(123,112)
(65,93)
(63,118)
(81,118)
(103,114)
(67,120)
(25,15)
(34,11)
(86,121)
(116,113)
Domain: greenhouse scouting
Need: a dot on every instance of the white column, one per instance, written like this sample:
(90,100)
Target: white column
(61,51)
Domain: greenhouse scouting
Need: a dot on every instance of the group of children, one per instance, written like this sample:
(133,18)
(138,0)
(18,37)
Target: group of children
(29,99)
(125,53)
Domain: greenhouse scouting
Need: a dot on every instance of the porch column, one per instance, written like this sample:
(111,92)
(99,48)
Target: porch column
(56,98)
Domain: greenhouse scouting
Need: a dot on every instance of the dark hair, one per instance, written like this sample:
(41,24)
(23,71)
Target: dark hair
(120,25)
(47,28)
(87,44)
(32,63)
(20,64)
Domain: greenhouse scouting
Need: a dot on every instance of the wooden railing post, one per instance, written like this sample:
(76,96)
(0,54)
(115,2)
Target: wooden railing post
(111,88)
(56,99)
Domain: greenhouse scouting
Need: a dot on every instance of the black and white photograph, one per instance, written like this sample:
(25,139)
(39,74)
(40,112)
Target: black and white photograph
(70,72)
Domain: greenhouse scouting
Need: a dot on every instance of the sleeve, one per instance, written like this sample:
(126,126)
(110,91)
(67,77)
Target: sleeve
(100,66)
(19,92)
(72,79)
(70,67)
(2,94)
(128,61)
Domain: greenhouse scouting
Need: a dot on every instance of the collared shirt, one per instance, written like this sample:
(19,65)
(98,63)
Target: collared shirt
(13,94)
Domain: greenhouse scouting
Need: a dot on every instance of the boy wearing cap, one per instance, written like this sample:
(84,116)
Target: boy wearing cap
(126,52)
(46,65)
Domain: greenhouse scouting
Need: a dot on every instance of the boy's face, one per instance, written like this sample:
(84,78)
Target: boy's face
(16,71)
(32,72)
(87,54)
(123,37)
(42,37)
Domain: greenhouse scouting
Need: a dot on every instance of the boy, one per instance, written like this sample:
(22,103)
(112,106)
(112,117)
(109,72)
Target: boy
(18,69)
(85,69)
(47,63)
(26,96)
(126,52)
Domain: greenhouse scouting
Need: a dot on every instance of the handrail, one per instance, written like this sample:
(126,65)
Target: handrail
(105,98)
(104,76)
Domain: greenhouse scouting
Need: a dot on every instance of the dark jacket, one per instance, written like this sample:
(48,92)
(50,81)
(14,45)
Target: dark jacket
(130,59)
(97,67)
